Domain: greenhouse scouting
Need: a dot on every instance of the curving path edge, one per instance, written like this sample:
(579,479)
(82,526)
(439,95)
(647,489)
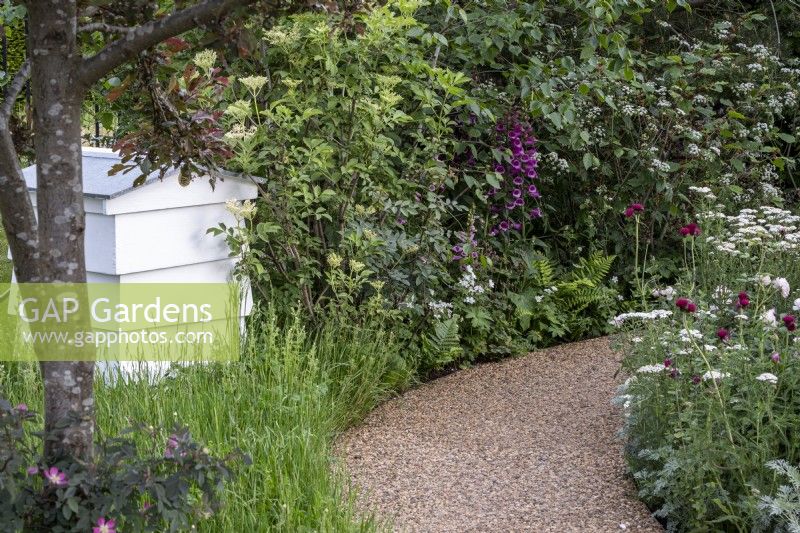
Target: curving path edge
(527,444)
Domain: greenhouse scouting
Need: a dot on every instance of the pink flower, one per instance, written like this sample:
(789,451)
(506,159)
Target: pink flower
(32,470)
(172,444)
(22,408)
(776,357)
(690,230)
(55,476)
(104,526)
(633,209)
(723,334)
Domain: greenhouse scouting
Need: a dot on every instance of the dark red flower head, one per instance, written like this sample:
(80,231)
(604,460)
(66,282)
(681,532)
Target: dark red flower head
(723,334)
(690,230)
(634,209)
(743,300)
(682,302)
(790,322)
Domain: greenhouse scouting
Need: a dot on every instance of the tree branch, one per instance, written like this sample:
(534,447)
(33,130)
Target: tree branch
(19,219)
(143,37)
(13,90)
(102,26)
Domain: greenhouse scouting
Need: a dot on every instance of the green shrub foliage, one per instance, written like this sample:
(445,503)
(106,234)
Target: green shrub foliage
(400,144)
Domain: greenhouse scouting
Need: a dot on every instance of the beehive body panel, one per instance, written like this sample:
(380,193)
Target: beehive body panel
(154,240)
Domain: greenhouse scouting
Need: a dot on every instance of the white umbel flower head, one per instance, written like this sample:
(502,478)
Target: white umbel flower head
(205,59)
(716,375)
(782,284)
(650,369)
(770,318)
(254,83)
(768,377)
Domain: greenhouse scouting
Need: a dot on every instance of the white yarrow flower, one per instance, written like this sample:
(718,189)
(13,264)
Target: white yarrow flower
(715,375)
(650,369)
(768,377)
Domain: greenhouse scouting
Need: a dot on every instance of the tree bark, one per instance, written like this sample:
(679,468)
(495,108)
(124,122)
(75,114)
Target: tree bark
(57,102)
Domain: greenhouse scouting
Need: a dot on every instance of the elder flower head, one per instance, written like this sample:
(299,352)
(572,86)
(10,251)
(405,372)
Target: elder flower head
(254,83)
(205,59)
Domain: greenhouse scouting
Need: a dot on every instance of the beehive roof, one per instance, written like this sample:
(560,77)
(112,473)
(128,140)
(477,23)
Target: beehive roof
(96,181)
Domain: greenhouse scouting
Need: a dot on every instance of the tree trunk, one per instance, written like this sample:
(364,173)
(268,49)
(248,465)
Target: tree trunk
(57,101)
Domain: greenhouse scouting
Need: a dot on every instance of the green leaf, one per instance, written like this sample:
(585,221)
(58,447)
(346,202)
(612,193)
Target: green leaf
(588,160)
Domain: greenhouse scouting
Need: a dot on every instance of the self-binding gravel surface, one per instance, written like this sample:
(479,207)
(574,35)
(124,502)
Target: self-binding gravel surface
(527,444)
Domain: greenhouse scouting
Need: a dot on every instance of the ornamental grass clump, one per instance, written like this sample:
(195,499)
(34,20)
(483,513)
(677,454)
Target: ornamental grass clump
(711,399)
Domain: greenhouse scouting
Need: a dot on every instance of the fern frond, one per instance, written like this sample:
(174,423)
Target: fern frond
(443,344)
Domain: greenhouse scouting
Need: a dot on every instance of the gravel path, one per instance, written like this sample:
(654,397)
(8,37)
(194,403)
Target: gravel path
(526,444)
